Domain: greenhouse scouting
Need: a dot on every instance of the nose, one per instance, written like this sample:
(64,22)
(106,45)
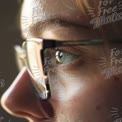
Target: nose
(20,100)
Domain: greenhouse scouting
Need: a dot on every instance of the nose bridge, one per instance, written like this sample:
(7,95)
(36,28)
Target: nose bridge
(19,99)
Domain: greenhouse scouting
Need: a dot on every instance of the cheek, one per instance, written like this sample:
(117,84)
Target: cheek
(67,83)
(64,88)
(86,98)
(86,92)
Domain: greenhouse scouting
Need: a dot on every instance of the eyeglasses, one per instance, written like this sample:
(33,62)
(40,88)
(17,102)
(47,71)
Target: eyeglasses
(43,56)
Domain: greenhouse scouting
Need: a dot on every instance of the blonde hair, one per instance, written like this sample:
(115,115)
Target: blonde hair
(84,5)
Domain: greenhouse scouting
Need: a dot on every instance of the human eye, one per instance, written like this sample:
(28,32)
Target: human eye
(60,56)
(65,57)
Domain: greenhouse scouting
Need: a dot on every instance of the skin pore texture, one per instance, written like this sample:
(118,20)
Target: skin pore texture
(80,95)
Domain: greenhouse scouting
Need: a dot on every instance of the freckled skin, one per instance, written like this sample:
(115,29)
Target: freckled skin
(80,95)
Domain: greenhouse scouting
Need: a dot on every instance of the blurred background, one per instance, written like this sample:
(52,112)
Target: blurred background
(9,36)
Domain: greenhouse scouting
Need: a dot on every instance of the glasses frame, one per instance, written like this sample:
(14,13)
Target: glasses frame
(34,57)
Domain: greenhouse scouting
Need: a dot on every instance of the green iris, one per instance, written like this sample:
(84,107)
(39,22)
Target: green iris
(64,57)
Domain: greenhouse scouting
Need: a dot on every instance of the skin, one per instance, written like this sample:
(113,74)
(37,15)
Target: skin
(80,95)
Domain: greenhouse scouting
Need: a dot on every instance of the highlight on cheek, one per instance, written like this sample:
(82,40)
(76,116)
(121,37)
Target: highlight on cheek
(69,116)
(67,88)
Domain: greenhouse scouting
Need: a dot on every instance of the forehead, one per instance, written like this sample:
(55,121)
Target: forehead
(77,11)
(68,9)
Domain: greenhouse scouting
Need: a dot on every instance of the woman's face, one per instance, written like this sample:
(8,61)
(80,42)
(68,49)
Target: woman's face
(85,81)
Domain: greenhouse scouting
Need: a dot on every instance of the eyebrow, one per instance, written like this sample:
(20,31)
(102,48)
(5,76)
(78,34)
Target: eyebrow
(40,25)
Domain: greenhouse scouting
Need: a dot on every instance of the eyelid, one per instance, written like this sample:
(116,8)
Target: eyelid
(73,49)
